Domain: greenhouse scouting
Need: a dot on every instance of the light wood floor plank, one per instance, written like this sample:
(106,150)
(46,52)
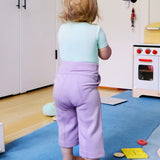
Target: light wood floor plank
(22,114)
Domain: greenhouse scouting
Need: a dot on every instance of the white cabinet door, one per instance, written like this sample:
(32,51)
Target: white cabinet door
(9,47)
(38,43)
(115,21)
(58,24)
(154,11)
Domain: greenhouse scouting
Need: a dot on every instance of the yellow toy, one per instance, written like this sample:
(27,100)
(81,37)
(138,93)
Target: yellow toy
(134,153)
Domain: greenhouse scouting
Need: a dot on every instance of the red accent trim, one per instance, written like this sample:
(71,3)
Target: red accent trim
(145,60)
(154,52)
(147,51)
(139,51)
(142,142)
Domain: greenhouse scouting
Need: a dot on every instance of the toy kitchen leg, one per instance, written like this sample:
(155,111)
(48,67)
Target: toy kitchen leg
(139,92)
(2,146)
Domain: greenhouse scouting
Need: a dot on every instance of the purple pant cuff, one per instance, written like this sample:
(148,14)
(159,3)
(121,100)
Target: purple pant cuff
(68,145)
(91,155)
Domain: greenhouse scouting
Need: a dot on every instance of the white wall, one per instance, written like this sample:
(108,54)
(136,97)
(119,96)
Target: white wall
(117,72)
(154,11)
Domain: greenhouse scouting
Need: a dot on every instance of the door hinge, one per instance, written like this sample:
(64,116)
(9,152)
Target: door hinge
(56,54)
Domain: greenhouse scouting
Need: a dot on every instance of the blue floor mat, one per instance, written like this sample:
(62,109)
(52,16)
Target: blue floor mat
(123,125)
(153,144)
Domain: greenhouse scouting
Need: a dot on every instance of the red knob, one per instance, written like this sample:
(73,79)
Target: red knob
(147,51)
(139,51)
(154,52)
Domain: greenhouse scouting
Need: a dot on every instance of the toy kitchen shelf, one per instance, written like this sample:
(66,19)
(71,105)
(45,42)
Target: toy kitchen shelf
(156,28)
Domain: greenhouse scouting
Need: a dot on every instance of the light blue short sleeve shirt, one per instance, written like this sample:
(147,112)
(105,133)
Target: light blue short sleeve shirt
(79,42)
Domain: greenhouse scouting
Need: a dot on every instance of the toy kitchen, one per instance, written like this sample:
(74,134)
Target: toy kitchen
(146,79)
(146,64)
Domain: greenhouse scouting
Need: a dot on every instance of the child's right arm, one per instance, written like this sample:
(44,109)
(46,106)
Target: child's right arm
(104,50)
(105,53)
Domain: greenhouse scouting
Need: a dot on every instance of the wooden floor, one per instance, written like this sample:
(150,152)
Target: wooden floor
(22,114)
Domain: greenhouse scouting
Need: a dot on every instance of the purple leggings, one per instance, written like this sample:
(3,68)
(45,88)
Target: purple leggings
(78,108)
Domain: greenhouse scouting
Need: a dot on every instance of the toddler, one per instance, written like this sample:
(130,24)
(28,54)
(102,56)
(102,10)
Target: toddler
(76,96)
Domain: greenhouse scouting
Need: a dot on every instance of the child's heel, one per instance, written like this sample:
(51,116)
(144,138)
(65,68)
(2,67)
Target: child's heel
(77,158)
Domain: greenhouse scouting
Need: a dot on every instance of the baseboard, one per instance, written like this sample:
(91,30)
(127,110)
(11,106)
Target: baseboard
(102,87)
(2,146)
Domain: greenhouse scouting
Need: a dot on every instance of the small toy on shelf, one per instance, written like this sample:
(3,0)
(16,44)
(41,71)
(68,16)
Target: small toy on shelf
(133,17)
(133,1)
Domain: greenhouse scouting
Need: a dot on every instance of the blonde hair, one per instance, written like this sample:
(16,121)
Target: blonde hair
(79,11)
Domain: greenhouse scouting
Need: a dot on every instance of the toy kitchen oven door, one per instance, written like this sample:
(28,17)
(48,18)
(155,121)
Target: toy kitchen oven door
(146,70)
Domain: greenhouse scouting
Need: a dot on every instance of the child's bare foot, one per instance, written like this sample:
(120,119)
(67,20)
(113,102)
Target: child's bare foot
(158,152)
(54,118)
(78,158)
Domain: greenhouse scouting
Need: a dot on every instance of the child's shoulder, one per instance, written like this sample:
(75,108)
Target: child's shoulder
(79,24)
(74,26)
(96,26)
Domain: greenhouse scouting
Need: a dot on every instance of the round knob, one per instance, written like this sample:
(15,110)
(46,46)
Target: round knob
(147,51)
(139,51)
(154,52)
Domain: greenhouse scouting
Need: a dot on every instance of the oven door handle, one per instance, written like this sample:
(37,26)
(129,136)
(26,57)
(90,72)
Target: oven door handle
(145,60)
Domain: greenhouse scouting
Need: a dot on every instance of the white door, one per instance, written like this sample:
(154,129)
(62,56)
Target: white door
(115,21)
(38,43)
(58,24)
(9,47)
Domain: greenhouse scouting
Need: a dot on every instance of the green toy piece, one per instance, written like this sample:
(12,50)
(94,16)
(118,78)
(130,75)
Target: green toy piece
(49,109)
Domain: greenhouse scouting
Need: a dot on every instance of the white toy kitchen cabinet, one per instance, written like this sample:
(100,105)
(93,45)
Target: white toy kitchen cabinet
(146,70)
